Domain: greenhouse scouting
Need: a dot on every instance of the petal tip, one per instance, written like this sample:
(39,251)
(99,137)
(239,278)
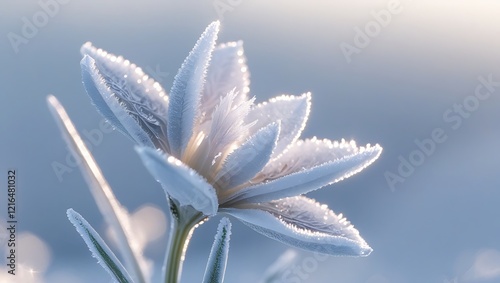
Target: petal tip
(365,250)
(87,48)
(87,61)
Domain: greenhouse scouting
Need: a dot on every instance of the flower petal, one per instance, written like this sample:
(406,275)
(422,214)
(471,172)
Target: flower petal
(248,159)
(303,223)
(179,181)
(186,91)
(225,130)
(292,111)
(121,83)
(227,71)
(294,159)
(311,175)
(102,97)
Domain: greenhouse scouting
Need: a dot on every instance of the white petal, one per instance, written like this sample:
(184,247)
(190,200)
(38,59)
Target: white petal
(139,96)
(305,224)
(102,97)
(294,159)
(292,111)
(248,159)
(114,213)
(179,181)
(186,91)
(225,131)
(217,261)
(309,177)
(227,71)
(227,127)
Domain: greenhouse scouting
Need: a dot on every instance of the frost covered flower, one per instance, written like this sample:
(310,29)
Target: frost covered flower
(214,151)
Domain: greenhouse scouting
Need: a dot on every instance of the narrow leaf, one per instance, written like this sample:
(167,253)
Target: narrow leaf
(114,214)
(217,261)
(105,257)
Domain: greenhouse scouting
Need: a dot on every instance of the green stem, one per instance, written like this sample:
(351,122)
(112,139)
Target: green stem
(181,230)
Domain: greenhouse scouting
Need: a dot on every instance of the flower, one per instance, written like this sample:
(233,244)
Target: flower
(214,151)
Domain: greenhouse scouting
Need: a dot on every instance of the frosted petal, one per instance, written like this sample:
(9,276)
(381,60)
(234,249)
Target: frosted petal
(105,257)
(248,159)
(140,95)
(227,71)
(105,102)
(186,91)
(305,224)
(309,177)
(227,126)
(226,130)
(292,111)
(217,261)
(306,154)
(179,181)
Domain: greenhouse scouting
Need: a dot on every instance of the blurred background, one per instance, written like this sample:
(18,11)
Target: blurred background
(421,78)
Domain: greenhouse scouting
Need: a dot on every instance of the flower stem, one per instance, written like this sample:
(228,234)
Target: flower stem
(176,255)
(183,225)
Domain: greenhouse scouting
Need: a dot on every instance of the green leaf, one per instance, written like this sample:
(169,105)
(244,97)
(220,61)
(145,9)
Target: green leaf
(217,261)
(106,258)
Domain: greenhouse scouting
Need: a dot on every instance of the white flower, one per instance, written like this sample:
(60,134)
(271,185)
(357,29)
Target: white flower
(213,150)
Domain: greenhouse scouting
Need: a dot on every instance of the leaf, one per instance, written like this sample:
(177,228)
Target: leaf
(138,95)
(179,181)
(217,261)
(114,214)
(303,223)
(105,257)
(307,177)
(186,91)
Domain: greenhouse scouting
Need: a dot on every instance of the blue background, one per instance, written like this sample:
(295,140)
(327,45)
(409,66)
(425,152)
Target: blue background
(439,225)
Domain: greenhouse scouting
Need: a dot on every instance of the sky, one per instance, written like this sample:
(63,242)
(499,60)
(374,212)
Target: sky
(420,78)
